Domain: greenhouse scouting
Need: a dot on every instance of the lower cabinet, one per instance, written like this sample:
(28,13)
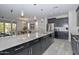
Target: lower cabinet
(61,35)
(36,49)
(24,52)
(43,44)
(13,50)
(7,52)
(46,41)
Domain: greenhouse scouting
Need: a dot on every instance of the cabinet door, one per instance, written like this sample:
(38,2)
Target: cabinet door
(43,44)
(66,35)
(59,35)
(9,51)
(36,49)
(24,52)
(52,35)
(49,40)
(56,34)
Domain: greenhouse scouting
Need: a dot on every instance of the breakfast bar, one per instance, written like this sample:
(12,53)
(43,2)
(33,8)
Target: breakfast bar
(26,44)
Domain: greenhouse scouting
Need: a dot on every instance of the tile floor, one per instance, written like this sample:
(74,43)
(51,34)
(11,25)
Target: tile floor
(59,47)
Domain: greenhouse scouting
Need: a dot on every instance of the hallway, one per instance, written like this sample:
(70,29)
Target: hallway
(59,47)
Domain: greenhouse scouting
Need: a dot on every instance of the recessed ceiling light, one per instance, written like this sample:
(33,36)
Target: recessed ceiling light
(55,7)
(11,10)
(41,9)
(2,17)
(35,4)
(34,17)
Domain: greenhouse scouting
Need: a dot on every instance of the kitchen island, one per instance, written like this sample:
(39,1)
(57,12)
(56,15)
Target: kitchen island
(75,43)
(26,44)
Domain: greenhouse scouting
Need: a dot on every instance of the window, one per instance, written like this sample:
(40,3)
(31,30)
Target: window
(13,27)
(8,28)
(1,27)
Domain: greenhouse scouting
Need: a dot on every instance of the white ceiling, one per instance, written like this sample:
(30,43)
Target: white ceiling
(49,10)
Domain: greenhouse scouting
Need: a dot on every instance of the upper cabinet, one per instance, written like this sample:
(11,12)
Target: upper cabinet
(60,22)
(77,16)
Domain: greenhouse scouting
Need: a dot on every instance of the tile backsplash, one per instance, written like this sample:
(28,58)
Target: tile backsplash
(61,29)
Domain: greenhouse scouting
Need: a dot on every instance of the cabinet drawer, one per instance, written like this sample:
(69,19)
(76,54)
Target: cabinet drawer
(18,48)
(26,51)
(34,41)
(7,52)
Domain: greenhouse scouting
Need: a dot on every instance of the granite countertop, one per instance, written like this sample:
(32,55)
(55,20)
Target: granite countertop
(11,41)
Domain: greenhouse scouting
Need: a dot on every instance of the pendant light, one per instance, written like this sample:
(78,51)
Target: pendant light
(22,13)
(42,15)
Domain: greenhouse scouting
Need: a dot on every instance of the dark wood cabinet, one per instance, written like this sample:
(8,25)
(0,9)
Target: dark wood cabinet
(60,22)
(49,40)
(24,52)
(7,52)
(61,35)
(34,47)
(13,50)
(43,44)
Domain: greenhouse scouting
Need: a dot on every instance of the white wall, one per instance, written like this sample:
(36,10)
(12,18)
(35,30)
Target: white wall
(42,24)
(19,26)
(72,23)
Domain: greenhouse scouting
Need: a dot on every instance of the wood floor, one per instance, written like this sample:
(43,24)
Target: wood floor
(59,47)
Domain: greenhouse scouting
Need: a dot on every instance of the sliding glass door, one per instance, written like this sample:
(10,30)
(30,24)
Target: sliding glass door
(1,27)
(8,28)
(13,28)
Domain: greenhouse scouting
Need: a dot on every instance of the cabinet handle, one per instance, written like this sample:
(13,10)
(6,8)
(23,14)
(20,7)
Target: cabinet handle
(19,48)
(5,52)
(31,51)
